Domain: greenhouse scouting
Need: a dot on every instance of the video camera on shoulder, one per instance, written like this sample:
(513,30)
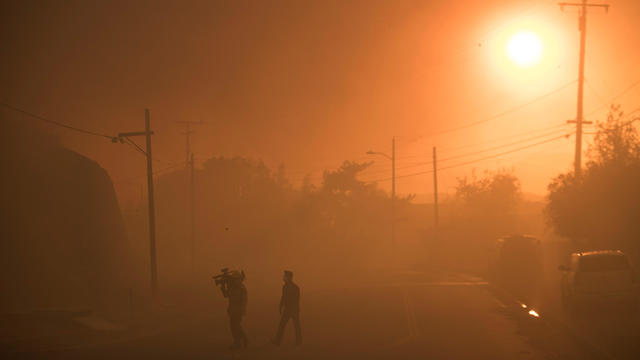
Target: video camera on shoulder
(227,275)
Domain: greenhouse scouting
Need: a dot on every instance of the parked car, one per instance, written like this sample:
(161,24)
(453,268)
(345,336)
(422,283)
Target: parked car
(599,277)
(515,262)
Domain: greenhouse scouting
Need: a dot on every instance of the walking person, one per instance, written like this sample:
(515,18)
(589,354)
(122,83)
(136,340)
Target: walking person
(289,308)
(234,290)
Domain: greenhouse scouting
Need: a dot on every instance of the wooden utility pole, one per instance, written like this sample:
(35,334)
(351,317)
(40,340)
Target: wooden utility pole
(152,209)
(393,194)
(579,121)
(187,134)
(435,190)
(193,216)
(152,215)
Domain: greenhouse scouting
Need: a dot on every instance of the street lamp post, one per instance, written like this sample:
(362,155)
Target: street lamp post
(393,189)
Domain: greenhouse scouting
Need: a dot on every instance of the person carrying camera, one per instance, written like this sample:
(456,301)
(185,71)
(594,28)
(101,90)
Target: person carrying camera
(236,292)
(289,308)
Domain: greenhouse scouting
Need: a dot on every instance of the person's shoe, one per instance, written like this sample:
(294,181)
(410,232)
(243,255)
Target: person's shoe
(245,343)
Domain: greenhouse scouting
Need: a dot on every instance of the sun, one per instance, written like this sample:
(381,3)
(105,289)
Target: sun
(524,48)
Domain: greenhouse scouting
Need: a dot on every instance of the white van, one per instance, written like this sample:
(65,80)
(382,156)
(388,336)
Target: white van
(598,277)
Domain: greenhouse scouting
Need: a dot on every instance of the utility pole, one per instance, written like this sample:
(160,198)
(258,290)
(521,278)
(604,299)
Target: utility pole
(152,211)
(435,191)
(187,134)
(152,216)
(579,121)
(193,216)
(393,194)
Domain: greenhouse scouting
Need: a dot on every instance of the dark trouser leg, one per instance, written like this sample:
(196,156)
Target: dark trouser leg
(296,325)
(235,322)
(283,323)
(233,326)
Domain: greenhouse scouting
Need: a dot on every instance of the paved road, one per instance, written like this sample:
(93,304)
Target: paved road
(610,330)
(404,317)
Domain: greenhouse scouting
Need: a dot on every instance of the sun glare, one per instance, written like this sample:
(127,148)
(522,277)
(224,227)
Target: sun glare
(524,48)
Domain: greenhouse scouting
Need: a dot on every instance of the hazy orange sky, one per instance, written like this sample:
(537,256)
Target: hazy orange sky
(310,84)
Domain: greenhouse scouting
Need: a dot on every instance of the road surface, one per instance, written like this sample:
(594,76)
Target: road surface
(407,316)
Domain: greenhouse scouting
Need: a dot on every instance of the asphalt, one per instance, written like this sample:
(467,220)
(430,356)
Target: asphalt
(406,316)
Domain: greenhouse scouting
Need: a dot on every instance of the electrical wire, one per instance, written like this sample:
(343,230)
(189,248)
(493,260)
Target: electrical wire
(517,160)
(508,111)
(83,131)
(155,173)
(506,152)
(417,164)
(593,90)
(56,123)
(477,160)
(514,136)
(498,115)
(474,153)
(619,95)
(503,146)
(139,149)
(135,146)
(466,146)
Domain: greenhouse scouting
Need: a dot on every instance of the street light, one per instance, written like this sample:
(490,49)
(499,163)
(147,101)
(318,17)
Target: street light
(393,189)
(379,153)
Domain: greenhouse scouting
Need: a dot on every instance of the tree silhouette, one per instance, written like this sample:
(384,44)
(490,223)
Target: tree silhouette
(488,202)
(600,209)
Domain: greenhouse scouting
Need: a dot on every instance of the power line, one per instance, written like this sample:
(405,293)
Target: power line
(619,95)
(507,152)
(626,90)
(476,152)
(139,149)
(500,114)
(56,123)
(506,137)
(157,172)
(508,111)
(477,160)
(470,161)
(595,92)
(83,131)
(632,111)
(504,146)
(135,146)
(518,160)
(512,136)
(625,116)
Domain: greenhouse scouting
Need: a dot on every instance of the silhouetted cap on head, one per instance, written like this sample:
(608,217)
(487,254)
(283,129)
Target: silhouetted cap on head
(288,274)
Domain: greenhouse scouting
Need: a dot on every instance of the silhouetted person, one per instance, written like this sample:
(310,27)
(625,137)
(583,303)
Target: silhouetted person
(234,290)
(289,308)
